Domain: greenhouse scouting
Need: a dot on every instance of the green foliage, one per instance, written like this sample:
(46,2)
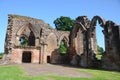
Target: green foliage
(1,52)
(23,41)
(100,50)
(1,55)
(63,48)
(99,56)
(64,23)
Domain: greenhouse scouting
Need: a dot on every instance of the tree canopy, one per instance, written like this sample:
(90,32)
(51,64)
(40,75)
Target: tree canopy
(63,48)
(64,23)
(100,50)
(23,41)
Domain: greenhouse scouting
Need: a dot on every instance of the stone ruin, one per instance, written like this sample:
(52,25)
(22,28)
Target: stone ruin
(83,43)
(44,41)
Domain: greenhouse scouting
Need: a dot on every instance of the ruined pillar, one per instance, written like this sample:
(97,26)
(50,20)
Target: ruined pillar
(111,58)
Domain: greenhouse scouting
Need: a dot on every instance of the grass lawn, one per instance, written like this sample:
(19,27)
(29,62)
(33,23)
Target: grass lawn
(16,73)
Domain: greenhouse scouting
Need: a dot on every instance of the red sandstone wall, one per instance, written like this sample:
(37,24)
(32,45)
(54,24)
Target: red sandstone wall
(17,55)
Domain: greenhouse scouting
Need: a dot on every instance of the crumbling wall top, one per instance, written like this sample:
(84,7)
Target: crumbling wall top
(22,17)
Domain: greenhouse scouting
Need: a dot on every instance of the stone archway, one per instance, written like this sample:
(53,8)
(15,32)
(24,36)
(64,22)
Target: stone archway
(51,48)
(63,45)
(77,36)
(92,35)
(110,59)
(92,59)
(28,32)
(27,26)
(78,50)
(65,38)
(51,43)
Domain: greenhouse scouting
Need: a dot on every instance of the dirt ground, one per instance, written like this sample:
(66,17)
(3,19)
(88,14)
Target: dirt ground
(60,70)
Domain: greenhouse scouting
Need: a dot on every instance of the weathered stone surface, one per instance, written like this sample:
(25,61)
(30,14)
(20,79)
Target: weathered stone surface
(83,43)
(42,40)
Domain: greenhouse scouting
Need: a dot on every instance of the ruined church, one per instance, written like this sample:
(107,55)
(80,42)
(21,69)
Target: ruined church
(43,42)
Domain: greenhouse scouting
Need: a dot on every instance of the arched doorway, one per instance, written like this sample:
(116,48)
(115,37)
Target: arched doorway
(97,41)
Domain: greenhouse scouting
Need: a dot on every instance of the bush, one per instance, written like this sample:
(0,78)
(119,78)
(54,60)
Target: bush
(100,50)
(1,55)
(63,48)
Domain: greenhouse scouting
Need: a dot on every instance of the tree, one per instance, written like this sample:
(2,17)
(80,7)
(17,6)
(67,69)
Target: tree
(100,50)
(63,47)
(64,23)
(23,41)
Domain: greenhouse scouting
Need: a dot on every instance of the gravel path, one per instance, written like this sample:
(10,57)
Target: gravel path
(60,70)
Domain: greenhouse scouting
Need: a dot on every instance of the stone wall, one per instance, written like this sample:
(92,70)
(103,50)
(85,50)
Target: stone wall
(43,39)
(17,55)
(84,34)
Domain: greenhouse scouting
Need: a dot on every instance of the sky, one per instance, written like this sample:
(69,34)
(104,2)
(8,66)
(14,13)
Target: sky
(49,10)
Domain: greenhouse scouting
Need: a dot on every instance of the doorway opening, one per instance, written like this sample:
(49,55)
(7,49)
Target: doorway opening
(26,57)
(100,41)
(48,59)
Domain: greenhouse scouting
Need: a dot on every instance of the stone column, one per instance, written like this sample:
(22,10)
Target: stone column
(36,41)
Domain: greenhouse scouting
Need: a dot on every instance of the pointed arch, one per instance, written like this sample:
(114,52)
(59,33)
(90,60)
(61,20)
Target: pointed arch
(65,38)
(24,27)
(100,20)
(51,43)
(75,30)
(93,36)
(76,39)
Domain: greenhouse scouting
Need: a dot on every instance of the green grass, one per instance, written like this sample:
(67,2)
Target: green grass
(102,74)
(16,73)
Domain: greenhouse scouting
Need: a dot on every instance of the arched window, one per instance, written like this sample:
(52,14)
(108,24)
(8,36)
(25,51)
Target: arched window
(23,41)
(63,47)
(31,39)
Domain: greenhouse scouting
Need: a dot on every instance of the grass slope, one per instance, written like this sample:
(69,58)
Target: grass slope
(16,73)
(102,74)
